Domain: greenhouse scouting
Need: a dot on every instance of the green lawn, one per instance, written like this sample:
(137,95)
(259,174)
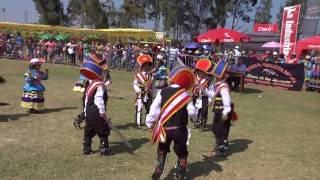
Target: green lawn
(277,136)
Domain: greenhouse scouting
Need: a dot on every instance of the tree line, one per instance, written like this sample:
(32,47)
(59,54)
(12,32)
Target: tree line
(178,18)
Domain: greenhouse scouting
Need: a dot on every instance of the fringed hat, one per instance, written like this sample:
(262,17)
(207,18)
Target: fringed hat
(91,58)
(220,68)
(36,61)
(182,76)
(144,59)
(92,67)
(203,65)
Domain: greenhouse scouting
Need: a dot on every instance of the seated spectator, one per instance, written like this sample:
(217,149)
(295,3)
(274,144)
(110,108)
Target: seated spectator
(282,58)
(293,59)
(236,71)
(265,55)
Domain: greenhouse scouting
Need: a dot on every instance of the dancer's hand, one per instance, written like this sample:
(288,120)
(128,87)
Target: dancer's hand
(224,117)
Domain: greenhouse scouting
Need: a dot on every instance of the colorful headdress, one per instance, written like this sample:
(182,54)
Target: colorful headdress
(220,69)
(91,58)
(182,76)
(144,59)
(36,61)
(92,67)
(203,65)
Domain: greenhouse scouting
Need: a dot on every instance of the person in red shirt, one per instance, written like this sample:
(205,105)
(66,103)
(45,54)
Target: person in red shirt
(293,59)
(265,56)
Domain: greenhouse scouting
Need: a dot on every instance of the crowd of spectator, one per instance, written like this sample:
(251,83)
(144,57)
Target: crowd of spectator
(123,55)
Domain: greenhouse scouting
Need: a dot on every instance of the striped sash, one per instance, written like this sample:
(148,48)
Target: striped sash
(219,86)
(202,83)
(174,104)
(144,81)
(91,88)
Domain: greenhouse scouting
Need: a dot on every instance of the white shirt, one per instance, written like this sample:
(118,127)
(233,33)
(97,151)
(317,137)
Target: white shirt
(225,95)
(98,100)
(136,86)
(155,109)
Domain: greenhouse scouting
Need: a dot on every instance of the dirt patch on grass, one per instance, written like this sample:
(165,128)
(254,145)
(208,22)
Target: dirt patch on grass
(7,141)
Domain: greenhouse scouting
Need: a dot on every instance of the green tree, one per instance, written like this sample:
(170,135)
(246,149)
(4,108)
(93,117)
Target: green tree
(50,11)
(91,13)
(239,10)
(133,12)
(263,15)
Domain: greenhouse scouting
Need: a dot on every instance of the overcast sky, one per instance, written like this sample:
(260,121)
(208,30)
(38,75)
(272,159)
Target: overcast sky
(16,10)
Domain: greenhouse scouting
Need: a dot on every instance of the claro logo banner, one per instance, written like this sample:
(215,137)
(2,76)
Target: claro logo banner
(265,28)
(289,29)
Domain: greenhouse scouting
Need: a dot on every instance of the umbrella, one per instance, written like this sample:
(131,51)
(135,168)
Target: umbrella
(192,45)
(271,44)
(46,36)
(311,43)
(222,35)
(208,48)
(62,37)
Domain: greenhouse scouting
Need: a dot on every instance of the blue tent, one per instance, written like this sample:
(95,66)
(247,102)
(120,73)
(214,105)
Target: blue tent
(192,45)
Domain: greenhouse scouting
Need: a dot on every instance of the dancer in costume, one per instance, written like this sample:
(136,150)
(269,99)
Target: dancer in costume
(200,99)
(160,75)
(142,85)
(80,84)
(222,109)
(169,118)
(33,98)
(95,102)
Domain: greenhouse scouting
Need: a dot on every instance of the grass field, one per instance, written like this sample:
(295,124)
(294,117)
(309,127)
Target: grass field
(277,136)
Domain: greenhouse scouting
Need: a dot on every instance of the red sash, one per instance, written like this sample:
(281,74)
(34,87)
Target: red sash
(91,88)
(174,104)
(144,81)
(202,83)
(219,86)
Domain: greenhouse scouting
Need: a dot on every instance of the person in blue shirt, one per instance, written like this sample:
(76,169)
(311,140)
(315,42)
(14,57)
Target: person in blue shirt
(235,72)
(33,98)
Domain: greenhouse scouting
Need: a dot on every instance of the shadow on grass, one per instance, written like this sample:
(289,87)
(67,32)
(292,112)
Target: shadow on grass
(114,97)
(120,147)
(211,163)
(53,110)
(252,91)
(126,126)
(12,117)
(4,104)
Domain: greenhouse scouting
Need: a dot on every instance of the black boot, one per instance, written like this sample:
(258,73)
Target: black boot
(87,146)
(181,169)
(104,147)
(158,170)
(222,149)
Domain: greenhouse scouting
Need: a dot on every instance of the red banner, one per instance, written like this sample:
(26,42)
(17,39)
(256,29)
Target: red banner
(289,30)
(265,28)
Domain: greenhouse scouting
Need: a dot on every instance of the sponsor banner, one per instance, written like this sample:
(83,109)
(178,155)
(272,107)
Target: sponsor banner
(265,28)
(289,30)
(282,76)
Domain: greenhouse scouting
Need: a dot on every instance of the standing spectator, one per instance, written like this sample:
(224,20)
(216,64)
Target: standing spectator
(80,52)
(31,47)
(19,45)
(99,50)
(72,55)
(49,46)
(173,52)
(293,59)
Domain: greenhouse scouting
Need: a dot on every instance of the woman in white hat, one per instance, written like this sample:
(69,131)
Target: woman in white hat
(33,98)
